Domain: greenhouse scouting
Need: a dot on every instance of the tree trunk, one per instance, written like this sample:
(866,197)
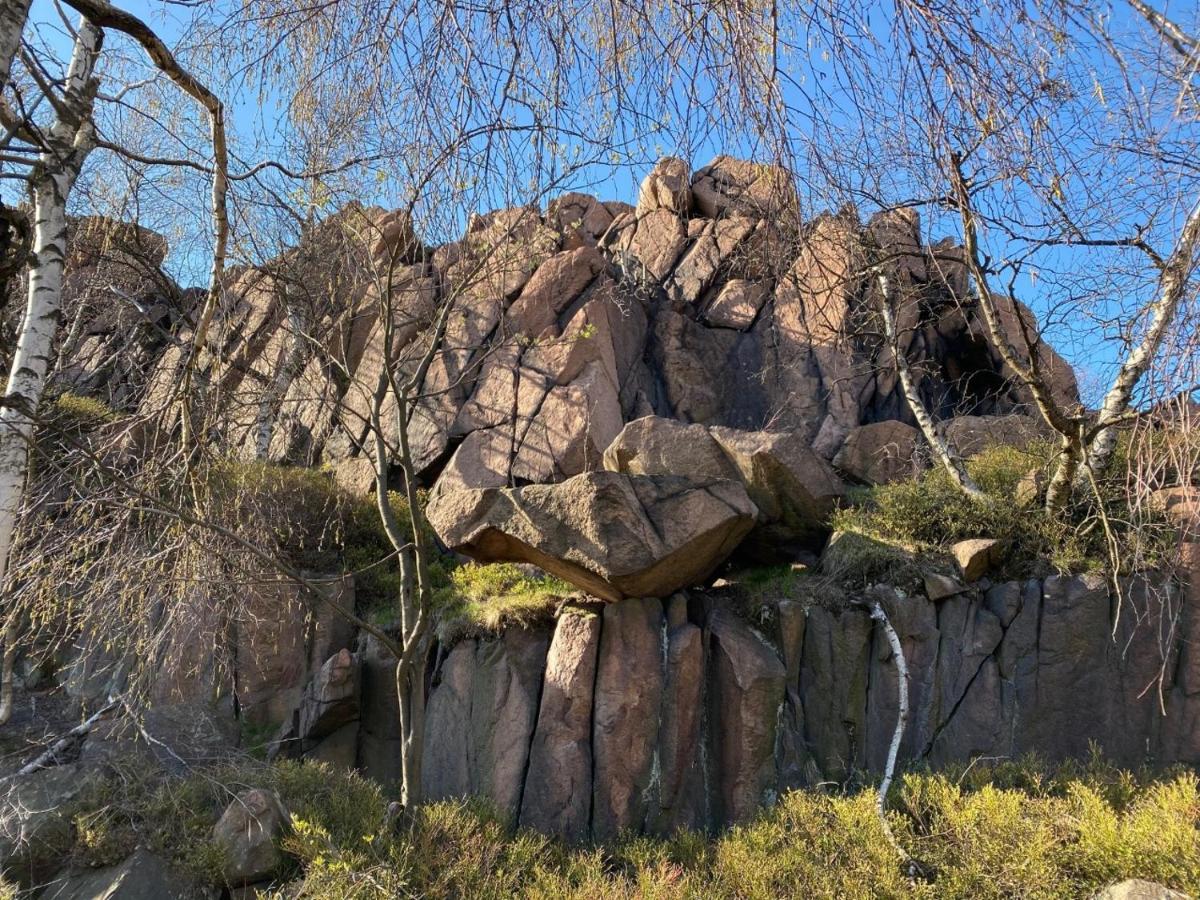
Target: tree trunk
(1172,286)
(13,15)
(69,141)
(941,450)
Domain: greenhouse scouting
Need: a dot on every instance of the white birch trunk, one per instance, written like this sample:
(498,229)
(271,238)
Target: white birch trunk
(13,15)
(940,449)
(1172,286)
(53,177)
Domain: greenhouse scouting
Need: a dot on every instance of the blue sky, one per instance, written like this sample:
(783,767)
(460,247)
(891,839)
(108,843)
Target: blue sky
(816,97)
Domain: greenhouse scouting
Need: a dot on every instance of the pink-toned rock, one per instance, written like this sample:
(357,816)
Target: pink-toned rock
(738,187)
(557,282)
(736,305)
(655,241)
(248,833)
(573,425)
(612,535)
(977,556)
(666,187)
(581,219)
(558,785)
(880,452)
(629,686)
(699,266)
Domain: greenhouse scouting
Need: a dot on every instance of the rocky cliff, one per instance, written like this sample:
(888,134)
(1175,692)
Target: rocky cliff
(628,395)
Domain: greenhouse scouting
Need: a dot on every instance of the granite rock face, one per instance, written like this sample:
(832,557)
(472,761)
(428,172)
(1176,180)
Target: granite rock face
(711,302)
(659,714)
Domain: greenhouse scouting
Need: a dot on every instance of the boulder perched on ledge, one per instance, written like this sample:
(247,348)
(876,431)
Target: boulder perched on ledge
(611,534)
(794,489)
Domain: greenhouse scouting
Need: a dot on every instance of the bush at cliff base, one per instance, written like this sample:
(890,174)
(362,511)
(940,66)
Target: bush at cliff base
(1008,830)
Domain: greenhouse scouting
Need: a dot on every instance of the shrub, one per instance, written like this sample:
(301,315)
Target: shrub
(929,513)
(1015,829)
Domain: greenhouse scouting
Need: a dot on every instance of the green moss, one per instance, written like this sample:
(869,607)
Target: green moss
(481,599)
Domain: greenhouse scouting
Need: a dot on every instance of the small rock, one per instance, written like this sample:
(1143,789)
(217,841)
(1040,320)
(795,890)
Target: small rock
(1139,889)
(1029,488)
(940,587)
(977,555)
(248,833)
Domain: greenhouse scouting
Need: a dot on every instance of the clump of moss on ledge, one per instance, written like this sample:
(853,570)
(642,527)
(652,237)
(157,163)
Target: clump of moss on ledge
(1014,830)
(483,599)
(927,514)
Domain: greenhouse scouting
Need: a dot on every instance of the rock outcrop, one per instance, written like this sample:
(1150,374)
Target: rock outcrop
(710,303)
(660,714)
(611,534)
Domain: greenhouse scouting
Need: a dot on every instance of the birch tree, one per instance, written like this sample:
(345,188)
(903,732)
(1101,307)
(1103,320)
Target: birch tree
(65,144)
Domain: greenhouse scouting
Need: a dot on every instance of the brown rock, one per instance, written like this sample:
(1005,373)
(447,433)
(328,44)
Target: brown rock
(737,187)
(897,234)
(698,268)
(331,698)
(579,218)
(248,833)
(880,452)
(681,786)
(970,435)
(794,489)
(975,557)
(655,241)
(666,187)
(939,586)
(446,768)
(571,429)
(737,304)
(558,786)
(613,535)
(280,641)
(504,710)
(747,690)
(629,686)
(657,446)
(557,282)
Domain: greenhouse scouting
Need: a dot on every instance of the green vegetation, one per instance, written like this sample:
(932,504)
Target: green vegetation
(313,524)
(929,513)
(1012,830)
(482,599)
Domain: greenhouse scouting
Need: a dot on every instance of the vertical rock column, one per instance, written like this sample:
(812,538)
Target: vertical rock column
(629,689)
(558,785)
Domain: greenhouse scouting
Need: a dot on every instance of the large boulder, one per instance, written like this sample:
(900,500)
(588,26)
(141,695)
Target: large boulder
(728,186)
(248,834)
(794,489)
(35,829)
(611,534)
(142,876)
(666,187)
